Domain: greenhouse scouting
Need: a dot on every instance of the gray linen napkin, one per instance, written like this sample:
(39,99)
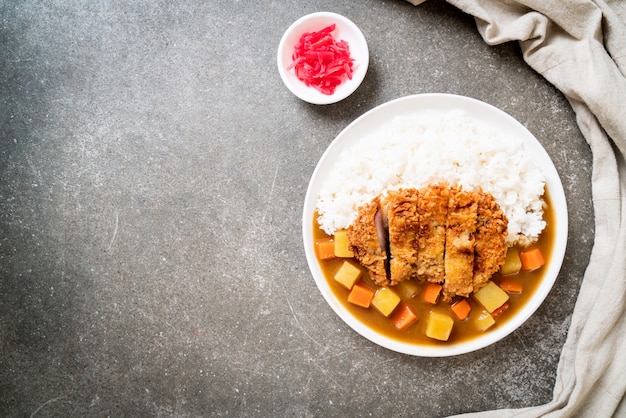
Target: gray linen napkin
(580,47)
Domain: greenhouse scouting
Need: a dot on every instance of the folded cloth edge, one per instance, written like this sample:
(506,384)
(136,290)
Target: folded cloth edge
(581,49)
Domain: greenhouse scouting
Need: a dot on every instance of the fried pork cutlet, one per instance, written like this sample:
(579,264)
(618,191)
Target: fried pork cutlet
(433,209)
(438,234)
(491,231)
(367,244)
(403,223)
(460,241)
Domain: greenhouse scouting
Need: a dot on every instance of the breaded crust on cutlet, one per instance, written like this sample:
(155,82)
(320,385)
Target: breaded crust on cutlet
(491,232)
(365,244)
(403,220)
(432,209)
(460,241)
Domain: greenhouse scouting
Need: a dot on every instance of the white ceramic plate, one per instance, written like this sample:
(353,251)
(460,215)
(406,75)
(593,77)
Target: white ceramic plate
(483,113)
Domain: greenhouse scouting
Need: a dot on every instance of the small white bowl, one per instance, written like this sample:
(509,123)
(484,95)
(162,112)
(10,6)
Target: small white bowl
(345,30)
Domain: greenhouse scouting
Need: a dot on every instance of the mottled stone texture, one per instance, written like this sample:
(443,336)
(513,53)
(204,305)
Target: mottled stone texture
(152,175)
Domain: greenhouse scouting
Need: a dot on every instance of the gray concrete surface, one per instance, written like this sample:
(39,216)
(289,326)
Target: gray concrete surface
(152,175)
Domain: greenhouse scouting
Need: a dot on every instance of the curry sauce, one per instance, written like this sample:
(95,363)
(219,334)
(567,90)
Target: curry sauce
(462,330)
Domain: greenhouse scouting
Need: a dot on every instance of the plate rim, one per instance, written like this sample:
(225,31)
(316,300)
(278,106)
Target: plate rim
(384,113)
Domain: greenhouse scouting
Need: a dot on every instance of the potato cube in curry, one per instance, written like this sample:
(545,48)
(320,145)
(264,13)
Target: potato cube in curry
(347,274)
(512,263)
(439,325)
(342,244)
(407,289)
(491,296)
(385,301)
(482,321)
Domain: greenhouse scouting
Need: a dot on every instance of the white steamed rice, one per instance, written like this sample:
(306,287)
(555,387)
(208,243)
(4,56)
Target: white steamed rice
(413,151)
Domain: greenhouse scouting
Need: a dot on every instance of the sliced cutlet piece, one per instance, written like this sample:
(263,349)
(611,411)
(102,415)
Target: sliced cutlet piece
(432,210)
(367,245)
(459,256)
(403,223)
(491,232)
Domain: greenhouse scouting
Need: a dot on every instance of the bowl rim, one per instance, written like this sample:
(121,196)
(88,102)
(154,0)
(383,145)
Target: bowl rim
(346,29)
(553,184)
